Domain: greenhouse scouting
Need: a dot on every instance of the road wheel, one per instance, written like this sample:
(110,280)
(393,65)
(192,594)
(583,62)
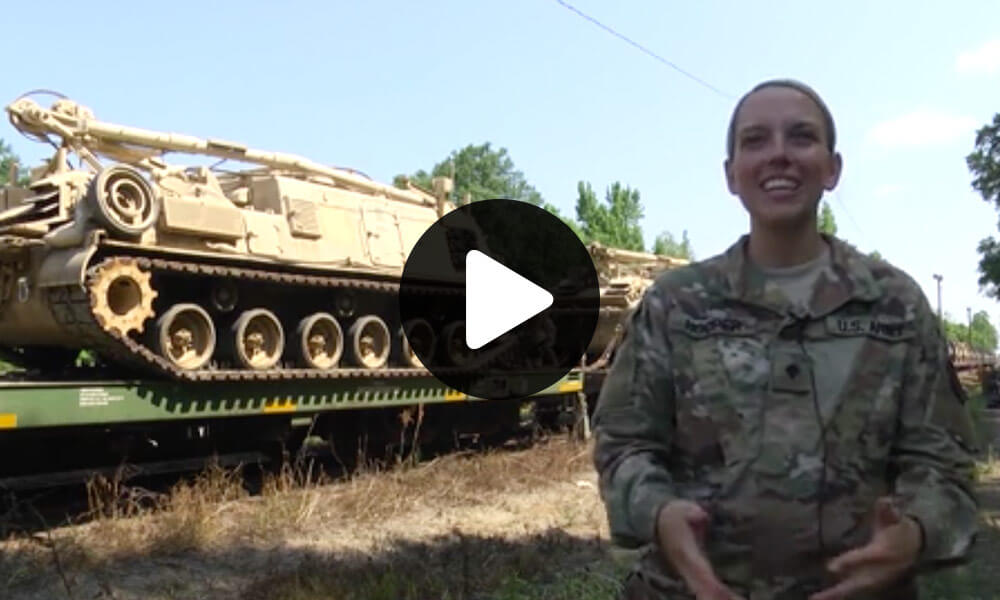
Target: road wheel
(320,341)
(185,336)
(259,339)
(369,342)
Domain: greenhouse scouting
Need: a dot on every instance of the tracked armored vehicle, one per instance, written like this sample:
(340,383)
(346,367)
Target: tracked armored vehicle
(286,269)
(624,276)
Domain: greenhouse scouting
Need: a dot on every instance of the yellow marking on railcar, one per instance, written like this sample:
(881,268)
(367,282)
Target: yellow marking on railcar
(451,395)
(8,421)
(570,386)
(281,406)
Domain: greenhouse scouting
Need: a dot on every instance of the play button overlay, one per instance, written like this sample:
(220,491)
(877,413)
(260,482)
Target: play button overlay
(499,299)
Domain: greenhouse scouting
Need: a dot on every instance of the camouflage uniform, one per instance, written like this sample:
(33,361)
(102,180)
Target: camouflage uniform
(714,397)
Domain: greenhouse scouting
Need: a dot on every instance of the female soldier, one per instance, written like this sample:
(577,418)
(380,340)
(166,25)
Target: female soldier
(782,421)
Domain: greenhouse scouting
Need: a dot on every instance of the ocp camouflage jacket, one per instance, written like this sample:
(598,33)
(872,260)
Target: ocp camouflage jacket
(785,424)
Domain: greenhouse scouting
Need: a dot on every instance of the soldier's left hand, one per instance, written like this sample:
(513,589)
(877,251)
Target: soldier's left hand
(894,547)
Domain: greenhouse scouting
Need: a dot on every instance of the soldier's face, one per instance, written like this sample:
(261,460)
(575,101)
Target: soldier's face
(780,165)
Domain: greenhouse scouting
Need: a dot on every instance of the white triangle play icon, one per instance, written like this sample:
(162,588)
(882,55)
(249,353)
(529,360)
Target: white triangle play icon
(497,299)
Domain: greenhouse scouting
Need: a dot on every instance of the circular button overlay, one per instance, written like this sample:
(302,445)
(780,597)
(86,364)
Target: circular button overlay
(499,299)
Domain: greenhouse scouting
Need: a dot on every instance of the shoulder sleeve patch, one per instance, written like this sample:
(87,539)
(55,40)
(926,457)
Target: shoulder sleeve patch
(950,411)
(956,385)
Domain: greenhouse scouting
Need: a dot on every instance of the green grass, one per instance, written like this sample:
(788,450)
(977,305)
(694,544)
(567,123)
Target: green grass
(980,578)
(551,565)
(977,405)
(972,582)
(595,581)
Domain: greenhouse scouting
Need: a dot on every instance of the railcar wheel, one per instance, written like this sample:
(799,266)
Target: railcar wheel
(369,342)
(456,352)
(320,341)
(185,336)
(124,201)
(258,338)
(416,339)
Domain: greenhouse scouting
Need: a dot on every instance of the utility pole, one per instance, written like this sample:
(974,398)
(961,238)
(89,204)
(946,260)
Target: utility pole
(940,321)
(968,311)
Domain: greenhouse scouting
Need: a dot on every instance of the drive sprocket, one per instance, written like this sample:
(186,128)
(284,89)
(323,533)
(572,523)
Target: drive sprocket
(121,295)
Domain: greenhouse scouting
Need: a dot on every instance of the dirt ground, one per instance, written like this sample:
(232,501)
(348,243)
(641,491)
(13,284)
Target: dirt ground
(504,525)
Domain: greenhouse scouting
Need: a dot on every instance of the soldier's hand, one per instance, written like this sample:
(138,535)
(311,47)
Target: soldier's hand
(680,528)
(894,547)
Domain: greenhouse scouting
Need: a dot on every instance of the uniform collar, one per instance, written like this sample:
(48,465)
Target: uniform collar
(846,278)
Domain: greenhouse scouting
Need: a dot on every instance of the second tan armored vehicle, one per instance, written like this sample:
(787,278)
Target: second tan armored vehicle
(624,276)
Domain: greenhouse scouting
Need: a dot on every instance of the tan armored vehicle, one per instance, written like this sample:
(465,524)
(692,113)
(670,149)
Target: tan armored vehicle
(624,276)
(290,265)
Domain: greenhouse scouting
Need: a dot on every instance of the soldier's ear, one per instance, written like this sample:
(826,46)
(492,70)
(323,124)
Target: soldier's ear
(727,167)
(834,167)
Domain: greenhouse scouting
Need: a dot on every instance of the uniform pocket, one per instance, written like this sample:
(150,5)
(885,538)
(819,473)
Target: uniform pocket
(700,406)
(715,399)
(874,351)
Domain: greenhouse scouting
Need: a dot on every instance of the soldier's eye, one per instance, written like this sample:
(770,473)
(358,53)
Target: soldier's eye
(752,139)
(804,135)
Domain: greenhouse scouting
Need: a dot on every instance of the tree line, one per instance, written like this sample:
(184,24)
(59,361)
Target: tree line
(482,172)
(978,333)
(983,336)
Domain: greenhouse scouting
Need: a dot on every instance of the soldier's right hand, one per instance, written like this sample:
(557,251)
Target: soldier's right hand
(680,529)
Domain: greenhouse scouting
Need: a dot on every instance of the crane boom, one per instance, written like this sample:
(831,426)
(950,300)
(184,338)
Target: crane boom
(83,133)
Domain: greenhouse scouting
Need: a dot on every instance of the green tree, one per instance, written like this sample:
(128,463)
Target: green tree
(955,331)
(667,245)
(7,160)
(984,164)
(826,223)
(479,173)
(615,222)
(984,334)
(567,220)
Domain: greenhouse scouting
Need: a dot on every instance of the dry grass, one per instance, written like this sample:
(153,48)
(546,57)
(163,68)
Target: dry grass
(130,522)
(126,524)
(381,522)
(456,479)
(988,468)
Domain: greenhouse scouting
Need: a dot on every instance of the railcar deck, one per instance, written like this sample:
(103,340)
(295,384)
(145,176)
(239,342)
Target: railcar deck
(44,404)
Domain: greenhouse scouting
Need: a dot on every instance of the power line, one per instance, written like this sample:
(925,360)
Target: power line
(693,77)
(647,51)
(836,195)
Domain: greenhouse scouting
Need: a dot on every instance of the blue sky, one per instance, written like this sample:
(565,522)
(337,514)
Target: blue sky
(391,87)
